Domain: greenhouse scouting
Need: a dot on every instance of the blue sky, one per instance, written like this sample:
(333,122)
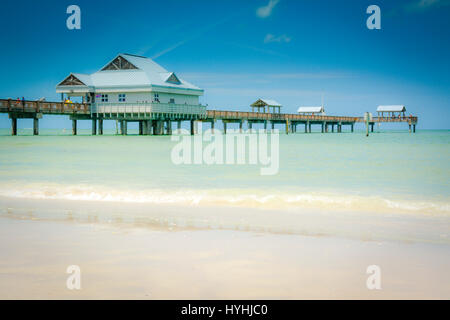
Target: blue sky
(288,50)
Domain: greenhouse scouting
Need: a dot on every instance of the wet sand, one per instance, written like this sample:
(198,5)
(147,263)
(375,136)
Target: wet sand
(177,253)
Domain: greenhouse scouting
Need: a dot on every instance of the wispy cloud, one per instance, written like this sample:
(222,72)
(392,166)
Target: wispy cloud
(266,11)
(271,38)
(422,5)
(417,6)
(195,35)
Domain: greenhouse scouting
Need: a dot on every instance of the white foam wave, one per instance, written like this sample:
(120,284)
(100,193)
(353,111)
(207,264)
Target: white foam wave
(276,200)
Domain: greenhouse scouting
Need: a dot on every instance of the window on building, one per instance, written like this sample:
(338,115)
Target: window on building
(104,98)
(156,97)
(172,100)
(122,97)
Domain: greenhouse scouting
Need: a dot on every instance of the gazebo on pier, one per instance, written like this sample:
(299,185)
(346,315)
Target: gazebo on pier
(263,103)
(393,111)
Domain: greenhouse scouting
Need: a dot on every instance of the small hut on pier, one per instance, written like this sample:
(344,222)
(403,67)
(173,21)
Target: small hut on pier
(393,111)
(263,103)
(318,111)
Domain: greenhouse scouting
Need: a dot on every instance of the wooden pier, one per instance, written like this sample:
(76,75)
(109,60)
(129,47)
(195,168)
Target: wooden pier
(156,119)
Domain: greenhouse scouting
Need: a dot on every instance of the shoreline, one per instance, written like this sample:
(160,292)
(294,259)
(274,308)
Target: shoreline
(169,217)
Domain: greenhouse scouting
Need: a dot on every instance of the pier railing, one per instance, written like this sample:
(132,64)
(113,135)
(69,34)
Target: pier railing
(259,116)
(232,115)
(147,108)
(10,105)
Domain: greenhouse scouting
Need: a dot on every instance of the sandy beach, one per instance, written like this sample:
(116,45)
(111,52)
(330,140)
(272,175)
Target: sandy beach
(175,253)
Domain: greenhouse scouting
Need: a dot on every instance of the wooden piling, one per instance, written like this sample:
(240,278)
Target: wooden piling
(224,127)
(141,128)
(192,127)
(144,125)
(36,126)
(74,127)
(100,126)
(14,126)
(122,129)
(94,127)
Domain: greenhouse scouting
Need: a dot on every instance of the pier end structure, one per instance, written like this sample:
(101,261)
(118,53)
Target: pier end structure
(134,88)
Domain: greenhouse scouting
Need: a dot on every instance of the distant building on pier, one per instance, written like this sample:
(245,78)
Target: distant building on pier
(320,110)
(265,105)
(393,111)
(130,81)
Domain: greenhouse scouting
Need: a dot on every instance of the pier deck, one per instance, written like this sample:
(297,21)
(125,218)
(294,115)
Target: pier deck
(152,117)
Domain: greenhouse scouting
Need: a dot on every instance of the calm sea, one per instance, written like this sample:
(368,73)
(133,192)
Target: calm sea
(386,172)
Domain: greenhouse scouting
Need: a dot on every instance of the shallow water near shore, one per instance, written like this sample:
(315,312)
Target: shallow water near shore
(121,209)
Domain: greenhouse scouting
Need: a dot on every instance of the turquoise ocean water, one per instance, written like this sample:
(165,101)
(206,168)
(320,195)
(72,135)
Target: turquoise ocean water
(388,171)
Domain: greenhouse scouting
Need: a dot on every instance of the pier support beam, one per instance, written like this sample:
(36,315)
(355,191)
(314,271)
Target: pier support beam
(100,126)
(192,128)
(414,128)
(125,127)
(14,126)
(287,126)
(309,127)
(409,125)
(144,125)
(178,126)
(224,127)
(250,126)
(371,127)
(212,126)
(36,126)
(332,128)
(323,127)
(169,127)
(74,127)
(240,126)
(94,127)
(160,127)
(141,128)
(352,125)
(265,126)
(306,127)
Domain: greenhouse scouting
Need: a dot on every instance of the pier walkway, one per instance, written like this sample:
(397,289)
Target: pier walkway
(157,118)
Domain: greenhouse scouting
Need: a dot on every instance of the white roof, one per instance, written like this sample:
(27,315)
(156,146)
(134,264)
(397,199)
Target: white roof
(396,108)
(147,73)
(318,109)
(271,103)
